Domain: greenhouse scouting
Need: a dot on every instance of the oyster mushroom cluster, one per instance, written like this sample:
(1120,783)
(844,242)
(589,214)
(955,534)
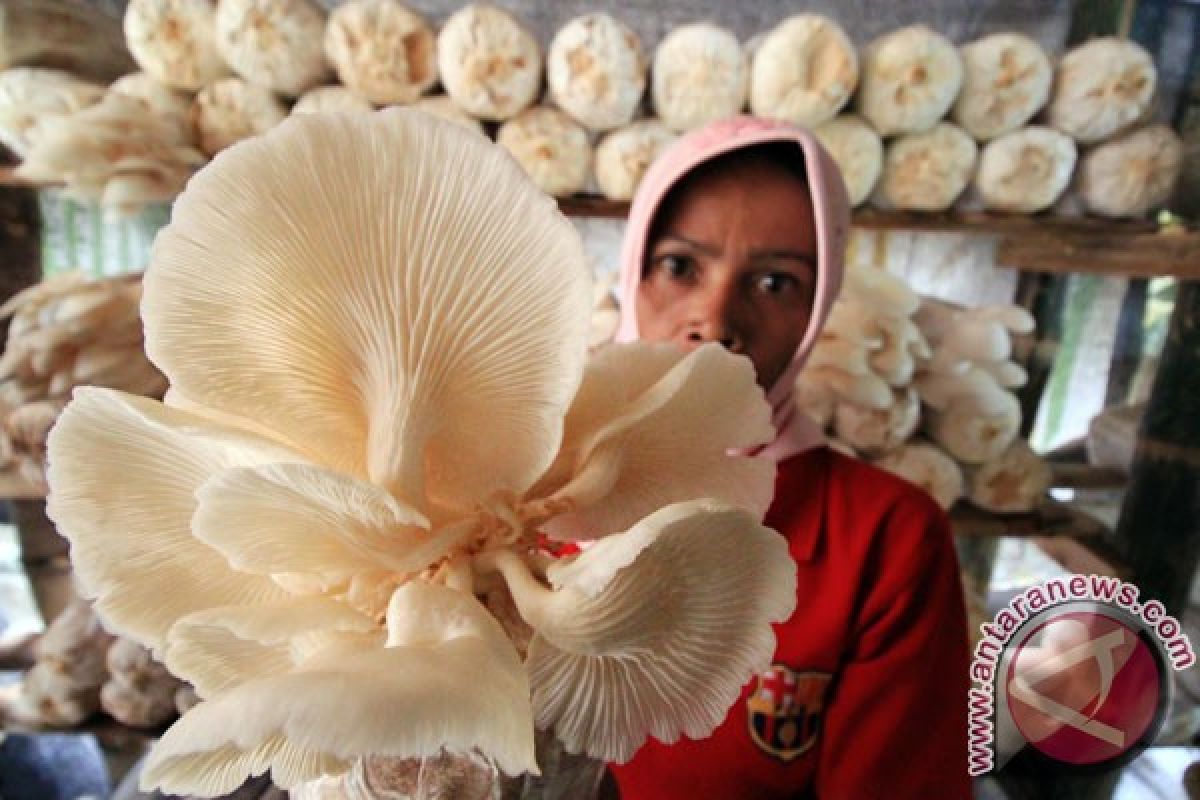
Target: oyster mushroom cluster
(382,424)
(81,669)
(65,332)
(924,389)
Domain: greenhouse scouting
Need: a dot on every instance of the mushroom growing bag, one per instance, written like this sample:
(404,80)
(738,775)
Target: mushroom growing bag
(381,410)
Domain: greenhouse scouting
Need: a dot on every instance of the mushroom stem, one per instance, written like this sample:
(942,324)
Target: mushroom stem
(459,575)
(531,595)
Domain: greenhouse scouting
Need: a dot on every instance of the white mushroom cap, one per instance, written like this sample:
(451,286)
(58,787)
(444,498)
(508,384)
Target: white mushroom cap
(867,389)
(1026,170)
(858,151)
(1133,174)
(118,153)
(623,156)
(927,171)
(596,71)
(971,436)
(910,78)
(1015,481)
(231,110)
(330,98)
(174,41)
(815,398)
(606,606)
(699,74)
(804,71)
(874,432)
(382,50)
(489,63)
(30,94)
(1006,80)
(551,147)
(276,44)
(442,106)
(155,95)
(1101,88)
(926,466)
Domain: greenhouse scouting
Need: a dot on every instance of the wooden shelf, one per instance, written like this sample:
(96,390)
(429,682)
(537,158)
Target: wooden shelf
(1077,541)
(9,177)
(1085,476)
(14,486)
(1032,242)
(1051,519)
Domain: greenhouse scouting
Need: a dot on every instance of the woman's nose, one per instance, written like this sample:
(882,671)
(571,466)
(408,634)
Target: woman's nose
(712,319)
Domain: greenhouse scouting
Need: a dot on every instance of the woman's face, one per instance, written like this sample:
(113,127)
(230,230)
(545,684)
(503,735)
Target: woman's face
(732,260)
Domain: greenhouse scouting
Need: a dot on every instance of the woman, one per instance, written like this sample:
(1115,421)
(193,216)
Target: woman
(737,235)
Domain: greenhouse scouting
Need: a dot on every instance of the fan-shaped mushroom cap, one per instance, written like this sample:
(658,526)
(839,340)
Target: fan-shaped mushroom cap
(355,690)
(626,451)
(444,107)
(594,628)
(324,99)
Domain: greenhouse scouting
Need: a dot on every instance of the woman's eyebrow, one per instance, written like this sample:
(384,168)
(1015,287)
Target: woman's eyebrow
(707,249)
(795,255)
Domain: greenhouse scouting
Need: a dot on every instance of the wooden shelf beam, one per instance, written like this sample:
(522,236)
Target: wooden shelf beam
(1118,252)
(1031,242)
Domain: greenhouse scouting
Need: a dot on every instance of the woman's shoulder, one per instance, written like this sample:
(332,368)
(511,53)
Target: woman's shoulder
(851,481)
(854,504)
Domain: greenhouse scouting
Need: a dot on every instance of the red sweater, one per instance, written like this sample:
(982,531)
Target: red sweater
(867,697)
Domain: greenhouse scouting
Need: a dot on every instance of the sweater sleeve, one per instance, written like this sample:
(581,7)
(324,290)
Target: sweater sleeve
(896,723)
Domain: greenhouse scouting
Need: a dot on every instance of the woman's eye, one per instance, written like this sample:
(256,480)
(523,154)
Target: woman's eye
(776,282)
(677,266)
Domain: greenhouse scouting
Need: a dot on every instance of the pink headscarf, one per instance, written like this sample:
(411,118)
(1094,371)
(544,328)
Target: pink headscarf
(795,432)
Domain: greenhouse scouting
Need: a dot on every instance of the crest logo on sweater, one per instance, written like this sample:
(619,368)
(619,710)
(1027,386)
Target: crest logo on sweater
(785,709)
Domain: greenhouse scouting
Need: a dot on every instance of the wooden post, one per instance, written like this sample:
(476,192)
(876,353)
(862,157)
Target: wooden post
(1158,532)
(1127,349)
(1044,296)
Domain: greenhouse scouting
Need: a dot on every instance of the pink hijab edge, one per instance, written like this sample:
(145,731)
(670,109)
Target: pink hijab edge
(795,432)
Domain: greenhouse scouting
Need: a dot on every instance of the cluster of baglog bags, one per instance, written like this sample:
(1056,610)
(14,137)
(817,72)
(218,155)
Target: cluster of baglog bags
(993,123)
